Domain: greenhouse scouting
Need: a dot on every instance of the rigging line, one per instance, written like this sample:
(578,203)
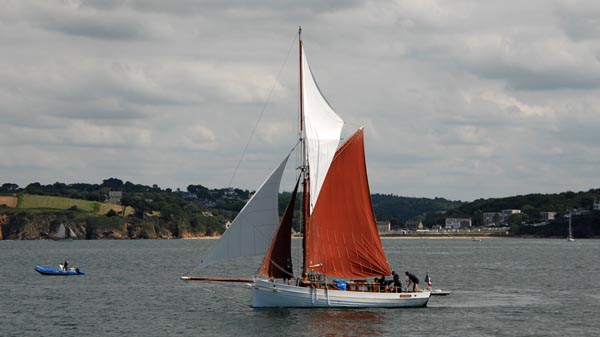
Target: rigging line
(264,108)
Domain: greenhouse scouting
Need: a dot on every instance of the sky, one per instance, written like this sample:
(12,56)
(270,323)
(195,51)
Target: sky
(459,99)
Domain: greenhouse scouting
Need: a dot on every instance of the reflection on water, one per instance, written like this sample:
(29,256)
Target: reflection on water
(342,322)
(325,322)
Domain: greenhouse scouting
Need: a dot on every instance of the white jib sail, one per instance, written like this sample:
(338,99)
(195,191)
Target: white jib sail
(322,131)
(61,232)
(251,232)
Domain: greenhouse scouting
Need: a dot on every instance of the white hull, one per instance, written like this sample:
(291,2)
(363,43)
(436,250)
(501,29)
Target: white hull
(266,294)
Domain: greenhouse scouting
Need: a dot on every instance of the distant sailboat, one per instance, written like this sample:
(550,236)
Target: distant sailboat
(570,237)
(65,233)
(342,251)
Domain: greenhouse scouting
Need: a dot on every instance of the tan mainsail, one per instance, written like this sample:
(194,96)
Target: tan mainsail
(343,240)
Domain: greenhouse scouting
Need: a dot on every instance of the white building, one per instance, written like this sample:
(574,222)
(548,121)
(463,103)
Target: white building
(384,226)
(547,216)
(114,197)
(499,218)
(458,223)
(414,224)
(490,218)
(506,213)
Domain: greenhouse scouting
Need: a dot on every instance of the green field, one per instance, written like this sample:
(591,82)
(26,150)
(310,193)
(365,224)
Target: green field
(43,201)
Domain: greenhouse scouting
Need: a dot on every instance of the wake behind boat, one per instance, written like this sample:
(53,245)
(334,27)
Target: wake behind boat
(59,272)
(342,249)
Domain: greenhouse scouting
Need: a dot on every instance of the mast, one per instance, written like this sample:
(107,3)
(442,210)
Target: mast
(304,164)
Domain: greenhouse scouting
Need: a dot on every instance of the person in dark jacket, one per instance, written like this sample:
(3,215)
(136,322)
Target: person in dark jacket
(414,280)
(289,271)
(382,284)
(397,284)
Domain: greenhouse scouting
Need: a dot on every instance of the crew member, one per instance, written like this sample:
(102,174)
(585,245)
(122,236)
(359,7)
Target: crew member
(289,270)
(414,280)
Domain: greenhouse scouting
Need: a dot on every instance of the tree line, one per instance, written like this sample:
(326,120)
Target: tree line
(164,209)
(185,211)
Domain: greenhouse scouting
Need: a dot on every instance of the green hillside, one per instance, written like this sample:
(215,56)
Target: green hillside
(44,201)
(31,201)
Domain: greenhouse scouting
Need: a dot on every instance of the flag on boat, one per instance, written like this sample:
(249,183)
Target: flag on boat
(428,280)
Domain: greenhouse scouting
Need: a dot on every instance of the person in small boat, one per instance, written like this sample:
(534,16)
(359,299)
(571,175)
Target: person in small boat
(414,280)
(289,271)
(66,265)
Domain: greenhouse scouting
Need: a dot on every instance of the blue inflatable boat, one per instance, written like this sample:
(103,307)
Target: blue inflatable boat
(50,271)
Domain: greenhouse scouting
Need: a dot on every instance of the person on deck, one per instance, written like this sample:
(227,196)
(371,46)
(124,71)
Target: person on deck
(375,285)
(289,270)
(396,283)
(390,282)
(382,284)
(304,280)
(414,280)
(66,265)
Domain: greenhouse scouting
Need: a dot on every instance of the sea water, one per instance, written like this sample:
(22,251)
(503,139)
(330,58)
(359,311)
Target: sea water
(499,287)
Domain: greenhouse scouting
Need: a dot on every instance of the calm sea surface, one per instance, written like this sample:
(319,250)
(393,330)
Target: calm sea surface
(500,287)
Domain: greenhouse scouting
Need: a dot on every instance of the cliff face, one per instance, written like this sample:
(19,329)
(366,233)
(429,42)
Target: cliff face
(26,226)
(3,220)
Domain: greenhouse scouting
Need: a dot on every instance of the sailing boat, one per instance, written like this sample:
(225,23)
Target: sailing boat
(63,235)
(570,237)
(342,250)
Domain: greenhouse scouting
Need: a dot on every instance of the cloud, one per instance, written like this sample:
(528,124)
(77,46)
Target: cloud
(579,19)
(76,19)
(461,100)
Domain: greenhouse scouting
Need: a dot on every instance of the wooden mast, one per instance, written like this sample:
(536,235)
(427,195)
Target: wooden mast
(304,166)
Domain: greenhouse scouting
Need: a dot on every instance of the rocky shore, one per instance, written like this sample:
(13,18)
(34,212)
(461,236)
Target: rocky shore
(45,227)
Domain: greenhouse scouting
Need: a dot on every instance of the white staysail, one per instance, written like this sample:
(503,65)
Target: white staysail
(60,235)
(322,131)
(251,232)
(71,233)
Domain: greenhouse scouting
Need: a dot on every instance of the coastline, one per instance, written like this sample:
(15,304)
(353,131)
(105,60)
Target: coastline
(201,238)
(445,237)
(433,237)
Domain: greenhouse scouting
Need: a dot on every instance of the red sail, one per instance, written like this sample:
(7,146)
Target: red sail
(281,246)
(343,239)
